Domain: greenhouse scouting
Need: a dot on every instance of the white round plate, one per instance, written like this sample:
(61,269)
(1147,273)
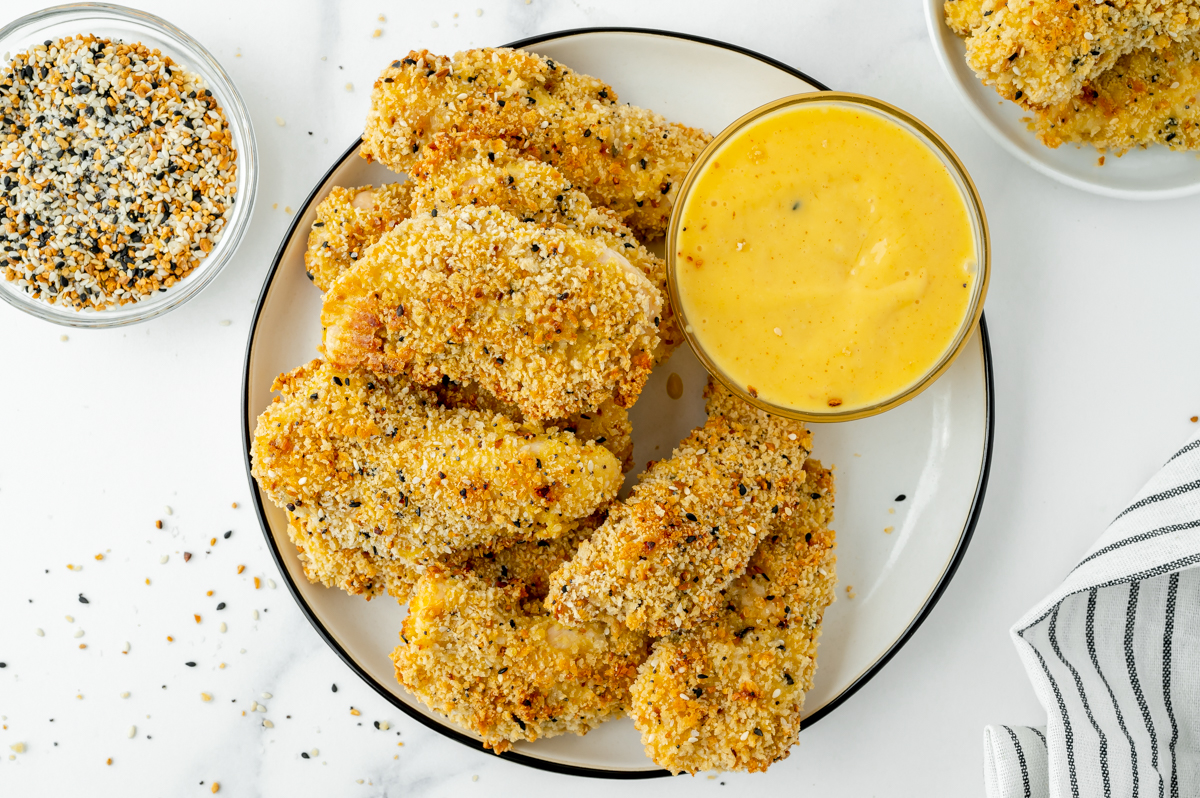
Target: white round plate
(935,449)
(1154,173)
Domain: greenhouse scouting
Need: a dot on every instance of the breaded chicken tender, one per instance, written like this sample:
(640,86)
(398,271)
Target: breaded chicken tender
(1148,97)
(375,462)
(728,694)
(457,171)
(689,527)
(625,158)
(1042,52)
(549,320)
(485,654)
(348,221)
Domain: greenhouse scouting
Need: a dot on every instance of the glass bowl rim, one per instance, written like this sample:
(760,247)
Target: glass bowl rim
(979,232)
(238,218)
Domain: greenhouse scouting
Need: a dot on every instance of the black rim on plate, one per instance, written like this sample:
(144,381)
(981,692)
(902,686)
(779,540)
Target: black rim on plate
(515,756)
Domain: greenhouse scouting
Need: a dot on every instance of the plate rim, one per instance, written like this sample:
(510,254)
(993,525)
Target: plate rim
(934,26)
(448,730)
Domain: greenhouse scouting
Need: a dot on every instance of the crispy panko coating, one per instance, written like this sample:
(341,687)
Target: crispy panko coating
(1042,52)
(624,158)
(356,570)
(377,463)
(486,655)
(549,320)
(348,221)
(687,531)
(360,572)
(728,694)
(457,171)
(964,16)
(1148,97)
(608,425)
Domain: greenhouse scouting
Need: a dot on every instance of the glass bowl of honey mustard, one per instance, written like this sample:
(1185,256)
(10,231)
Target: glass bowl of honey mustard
(828,257)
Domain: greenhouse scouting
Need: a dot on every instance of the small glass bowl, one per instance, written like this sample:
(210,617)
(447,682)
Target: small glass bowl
(129,25)
(974,211)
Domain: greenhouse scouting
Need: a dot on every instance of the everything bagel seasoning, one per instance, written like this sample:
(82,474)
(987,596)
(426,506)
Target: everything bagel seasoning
(117,167)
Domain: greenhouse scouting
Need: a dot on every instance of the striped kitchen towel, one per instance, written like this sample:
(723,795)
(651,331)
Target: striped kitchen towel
(1114,657)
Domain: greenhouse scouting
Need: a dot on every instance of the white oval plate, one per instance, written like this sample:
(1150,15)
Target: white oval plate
(1154,173)
(935,449)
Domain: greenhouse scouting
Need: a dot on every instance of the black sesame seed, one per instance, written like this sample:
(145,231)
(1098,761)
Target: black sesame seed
(190,664)
(83,599)
(228,534)
(503,670)
(221,606)
(305,753)
(901,497)
(335,688)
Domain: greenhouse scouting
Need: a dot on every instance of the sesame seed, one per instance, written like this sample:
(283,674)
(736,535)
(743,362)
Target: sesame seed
(279,121)
(132,732)
(778,331)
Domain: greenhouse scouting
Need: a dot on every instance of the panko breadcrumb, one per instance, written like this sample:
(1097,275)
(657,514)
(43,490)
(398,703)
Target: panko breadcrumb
(624,158)
(1148,97)
(549,320)
(378,463)
(728,694)
(1042,52)
(487,655)
(348,221)
(687,531)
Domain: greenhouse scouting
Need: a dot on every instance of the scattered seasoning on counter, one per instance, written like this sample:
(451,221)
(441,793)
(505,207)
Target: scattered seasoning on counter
(118,171)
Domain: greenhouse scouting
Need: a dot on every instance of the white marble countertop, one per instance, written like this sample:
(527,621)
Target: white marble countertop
(1094,330)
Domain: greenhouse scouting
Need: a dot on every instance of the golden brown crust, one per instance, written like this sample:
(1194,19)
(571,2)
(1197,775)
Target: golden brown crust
(488,657)
(687,531)
(1148,97)
(380,465)
(350,220)
(728,694)
(624,158)
(457,171)
(1042,52)
(545,319)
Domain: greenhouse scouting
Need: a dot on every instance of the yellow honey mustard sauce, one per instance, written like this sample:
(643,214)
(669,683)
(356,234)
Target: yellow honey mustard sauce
(824,258)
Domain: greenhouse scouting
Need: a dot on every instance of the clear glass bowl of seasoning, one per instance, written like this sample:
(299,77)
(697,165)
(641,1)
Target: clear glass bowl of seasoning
(160,209)
(828,257)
